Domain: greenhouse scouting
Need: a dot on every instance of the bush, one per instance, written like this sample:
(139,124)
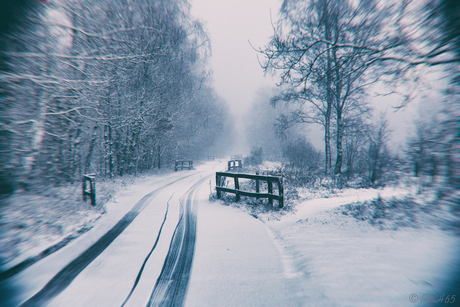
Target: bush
(256,157)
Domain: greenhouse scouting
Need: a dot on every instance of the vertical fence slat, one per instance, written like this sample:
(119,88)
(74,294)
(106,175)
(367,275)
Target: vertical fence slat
(281,192)
(218,184)
(257,185)
(270,191)
(237,187)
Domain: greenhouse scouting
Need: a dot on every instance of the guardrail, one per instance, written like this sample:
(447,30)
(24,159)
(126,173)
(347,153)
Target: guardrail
(181,164)
(269,179)
(91,178)
(234,165)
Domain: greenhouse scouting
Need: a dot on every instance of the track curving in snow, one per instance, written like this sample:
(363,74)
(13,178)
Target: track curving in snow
(65,276)
(171,286)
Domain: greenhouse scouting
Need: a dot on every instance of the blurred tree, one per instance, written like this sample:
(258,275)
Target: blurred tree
(107,87)
(260,127)
(379,157)
(431,150)
(321,63)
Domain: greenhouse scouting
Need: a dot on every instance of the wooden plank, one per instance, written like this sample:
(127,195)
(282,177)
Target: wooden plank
(270,192)
(246,193)
(218,183)
(247,176)
(237,187)
(281,193)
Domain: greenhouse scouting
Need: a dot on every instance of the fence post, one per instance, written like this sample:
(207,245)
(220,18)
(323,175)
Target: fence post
(93,192)
(270,191)
(218,183)
(257,185)
(92,188)
(237,187)
(83,188)
(281,192)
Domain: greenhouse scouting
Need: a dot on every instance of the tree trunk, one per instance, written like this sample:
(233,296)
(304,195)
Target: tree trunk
(159,157)
(90,150)
(108,150)
(327,136)
(338,163)
(327,119)
(110,153)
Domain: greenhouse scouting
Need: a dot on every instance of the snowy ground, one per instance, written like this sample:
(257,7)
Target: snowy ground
(340,258)
(32,221)
(353,247)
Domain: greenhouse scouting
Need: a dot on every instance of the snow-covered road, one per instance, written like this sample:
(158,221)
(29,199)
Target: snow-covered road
(164,242)
(144,252)
(236,261)
(101,267)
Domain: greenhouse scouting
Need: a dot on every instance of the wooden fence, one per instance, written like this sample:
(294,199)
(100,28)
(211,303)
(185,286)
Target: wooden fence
(91,192)
(220,178)
(181,164)
(234,165)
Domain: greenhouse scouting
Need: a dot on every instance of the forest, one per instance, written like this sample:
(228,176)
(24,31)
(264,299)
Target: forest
(115,88)
(331,58)
(104,87)
(355,134)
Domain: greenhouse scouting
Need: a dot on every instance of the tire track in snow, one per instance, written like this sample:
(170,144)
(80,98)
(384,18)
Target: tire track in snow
(148,255)
(171,286)
(64,277)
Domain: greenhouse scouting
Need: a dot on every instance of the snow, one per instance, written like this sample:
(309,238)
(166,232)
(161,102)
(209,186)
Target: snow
(109,278)
(236,262)
(339,260)
(310,254)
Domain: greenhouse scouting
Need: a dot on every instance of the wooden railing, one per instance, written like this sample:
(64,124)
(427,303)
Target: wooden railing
(91,192)
(220,178)
(234,165)
(181,164)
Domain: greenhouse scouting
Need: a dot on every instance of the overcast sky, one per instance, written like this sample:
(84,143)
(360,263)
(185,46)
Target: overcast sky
(232,24)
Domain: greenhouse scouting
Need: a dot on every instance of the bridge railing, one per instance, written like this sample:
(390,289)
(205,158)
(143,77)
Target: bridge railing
(183,164)
(235,165)
(220,179)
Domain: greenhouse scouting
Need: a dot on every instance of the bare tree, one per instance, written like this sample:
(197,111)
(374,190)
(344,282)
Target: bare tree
(103,88)
(379,155)
(318,60)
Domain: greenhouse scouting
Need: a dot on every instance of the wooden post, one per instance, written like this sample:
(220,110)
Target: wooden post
(83,187)
(281,192)
(93,192)
(218,184)
(257,185)
(92,188)
(237,187)
(270,191)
